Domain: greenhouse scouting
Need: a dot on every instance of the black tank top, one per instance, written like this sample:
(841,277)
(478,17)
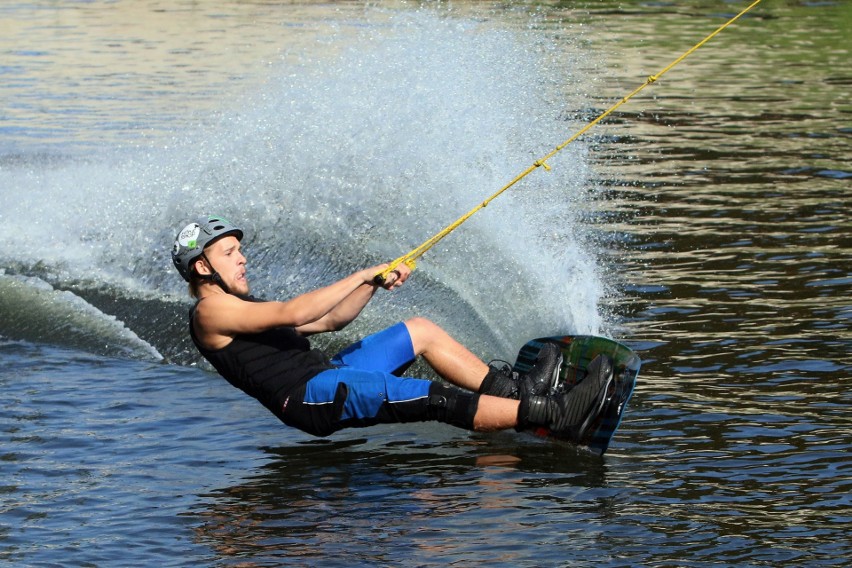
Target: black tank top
(267,365)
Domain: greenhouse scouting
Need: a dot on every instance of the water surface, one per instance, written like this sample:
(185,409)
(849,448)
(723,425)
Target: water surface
(706,225)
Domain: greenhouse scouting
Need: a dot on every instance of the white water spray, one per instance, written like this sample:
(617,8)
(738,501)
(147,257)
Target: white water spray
(344,161)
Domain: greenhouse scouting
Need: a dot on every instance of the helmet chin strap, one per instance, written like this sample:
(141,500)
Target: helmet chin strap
(215,278)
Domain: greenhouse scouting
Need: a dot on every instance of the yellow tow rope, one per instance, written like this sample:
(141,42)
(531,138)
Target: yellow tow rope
(411,258)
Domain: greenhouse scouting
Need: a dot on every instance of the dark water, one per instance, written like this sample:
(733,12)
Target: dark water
(706,225)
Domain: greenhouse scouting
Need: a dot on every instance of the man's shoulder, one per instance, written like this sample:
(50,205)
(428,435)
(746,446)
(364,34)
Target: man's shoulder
(217,303)
(214,299)
(228,305)
(218,318)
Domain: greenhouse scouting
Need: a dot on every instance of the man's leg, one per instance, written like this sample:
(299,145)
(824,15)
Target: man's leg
(561,414)
(450,359)
(495,413)
(341,398)
(457,365)
(389,350)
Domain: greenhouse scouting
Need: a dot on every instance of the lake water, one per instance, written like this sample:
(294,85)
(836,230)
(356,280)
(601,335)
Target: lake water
(706,224)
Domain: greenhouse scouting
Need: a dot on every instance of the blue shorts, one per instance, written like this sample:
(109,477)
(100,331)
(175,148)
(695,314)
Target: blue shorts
(364,389)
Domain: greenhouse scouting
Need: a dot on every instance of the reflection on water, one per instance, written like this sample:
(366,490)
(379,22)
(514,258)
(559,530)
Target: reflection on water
(395,496)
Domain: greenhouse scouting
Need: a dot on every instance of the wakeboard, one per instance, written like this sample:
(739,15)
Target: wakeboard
(578,351)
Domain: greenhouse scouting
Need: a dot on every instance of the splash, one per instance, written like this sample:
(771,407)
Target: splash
(34,311)
(352,155)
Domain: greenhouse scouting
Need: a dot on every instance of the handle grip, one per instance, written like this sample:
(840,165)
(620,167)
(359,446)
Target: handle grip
(380,278)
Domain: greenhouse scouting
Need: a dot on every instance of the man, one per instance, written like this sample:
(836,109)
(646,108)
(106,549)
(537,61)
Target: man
(262,348)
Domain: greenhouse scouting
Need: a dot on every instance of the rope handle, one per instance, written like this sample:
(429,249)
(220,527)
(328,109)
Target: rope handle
(380,278)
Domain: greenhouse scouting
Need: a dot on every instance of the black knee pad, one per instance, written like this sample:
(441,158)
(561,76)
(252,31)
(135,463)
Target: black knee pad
(452,405)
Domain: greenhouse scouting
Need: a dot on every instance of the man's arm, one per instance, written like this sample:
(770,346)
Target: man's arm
(350,308)
(343,313)
(220,317)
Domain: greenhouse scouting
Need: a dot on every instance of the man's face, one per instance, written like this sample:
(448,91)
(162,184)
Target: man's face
(229,262)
